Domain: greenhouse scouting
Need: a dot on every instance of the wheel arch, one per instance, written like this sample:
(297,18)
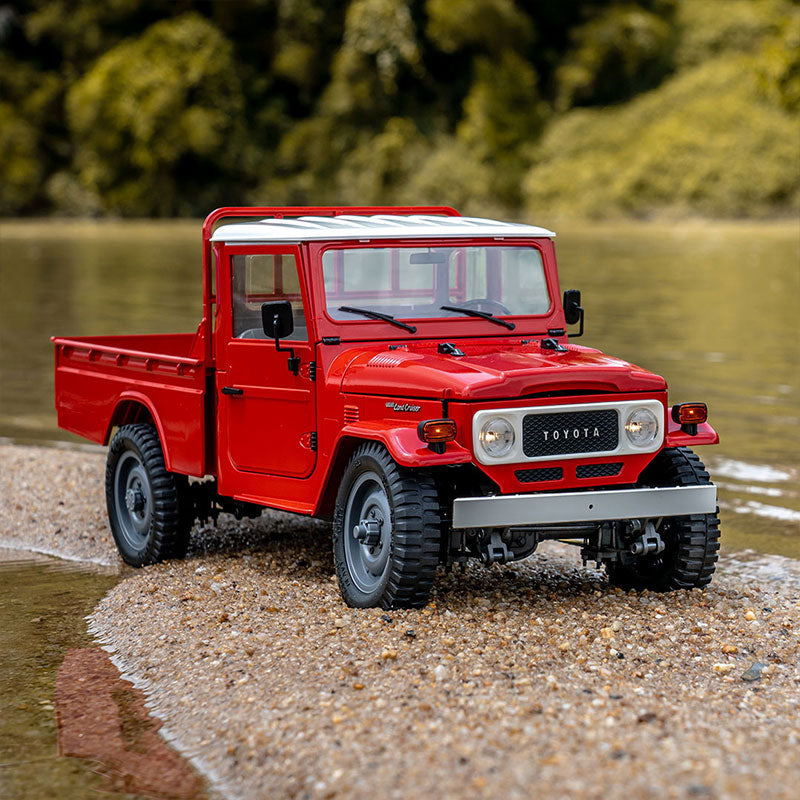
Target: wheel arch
(403,445)
(345,447)
(133,407)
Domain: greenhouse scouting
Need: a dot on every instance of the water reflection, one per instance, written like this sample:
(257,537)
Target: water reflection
(711,306)
(59,696)
(102,718)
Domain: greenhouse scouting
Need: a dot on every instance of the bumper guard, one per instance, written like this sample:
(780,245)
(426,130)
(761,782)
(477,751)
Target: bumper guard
(503,511)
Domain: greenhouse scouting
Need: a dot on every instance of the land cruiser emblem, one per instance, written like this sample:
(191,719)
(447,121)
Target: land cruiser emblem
(402,406)
(571,433)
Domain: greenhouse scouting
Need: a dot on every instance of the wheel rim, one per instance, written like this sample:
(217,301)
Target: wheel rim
(367,532)
(133,497)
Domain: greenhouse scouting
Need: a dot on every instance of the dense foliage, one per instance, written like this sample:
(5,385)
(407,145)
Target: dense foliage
(597,107)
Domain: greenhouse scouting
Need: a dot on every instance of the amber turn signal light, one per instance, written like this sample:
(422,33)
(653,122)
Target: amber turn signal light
(437,430)
(690,413)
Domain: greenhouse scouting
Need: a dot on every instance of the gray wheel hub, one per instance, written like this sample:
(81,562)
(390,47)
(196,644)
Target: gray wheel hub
(134,499)
(368,519)
(368,531)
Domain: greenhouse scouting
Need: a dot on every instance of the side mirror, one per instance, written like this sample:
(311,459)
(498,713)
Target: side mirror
(277,319)
(278,322)
(573,311)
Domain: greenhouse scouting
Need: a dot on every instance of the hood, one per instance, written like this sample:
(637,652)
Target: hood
(495,371)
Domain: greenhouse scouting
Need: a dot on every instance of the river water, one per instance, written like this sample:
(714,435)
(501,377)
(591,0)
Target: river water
(70,727)
(714,307)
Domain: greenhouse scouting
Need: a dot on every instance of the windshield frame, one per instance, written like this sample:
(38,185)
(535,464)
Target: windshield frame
(443,325)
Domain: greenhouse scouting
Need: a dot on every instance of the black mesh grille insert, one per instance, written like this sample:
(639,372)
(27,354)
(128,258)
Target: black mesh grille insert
(569,432)
(598,470)
(543,474)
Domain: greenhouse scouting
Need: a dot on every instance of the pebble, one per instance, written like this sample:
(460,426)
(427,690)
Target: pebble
(753,673)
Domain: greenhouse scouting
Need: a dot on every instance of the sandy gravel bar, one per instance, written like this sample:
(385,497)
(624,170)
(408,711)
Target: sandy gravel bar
(52,500)
(534,679)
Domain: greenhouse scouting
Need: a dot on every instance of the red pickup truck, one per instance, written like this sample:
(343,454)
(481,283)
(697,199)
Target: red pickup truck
(406,372)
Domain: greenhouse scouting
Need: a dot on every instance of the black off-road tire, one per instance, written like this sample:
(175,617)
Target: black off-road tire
(149,509)
(691,542)
(406,555)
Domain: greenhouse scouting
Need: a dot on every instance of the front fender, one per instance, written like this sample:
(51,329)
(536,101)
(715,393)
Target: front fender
(677,438)
(404,445)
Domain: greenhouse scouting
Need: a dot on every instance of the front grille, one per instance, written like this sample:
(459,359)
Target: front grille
(543,474)
(598,470)
(569,432)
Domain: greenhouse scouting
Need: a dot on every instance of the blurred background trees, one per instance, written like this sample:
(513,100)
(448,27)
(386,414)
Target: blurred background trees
(589,107)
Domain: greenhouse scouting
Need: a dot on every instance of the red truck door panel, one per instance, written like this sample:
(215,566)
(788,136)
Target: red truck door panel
(267,413)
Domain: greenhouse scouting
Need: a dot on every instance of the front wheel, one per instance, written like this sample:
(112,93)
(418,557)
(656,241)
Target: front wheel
(387,532)
(149,509)
(690,543)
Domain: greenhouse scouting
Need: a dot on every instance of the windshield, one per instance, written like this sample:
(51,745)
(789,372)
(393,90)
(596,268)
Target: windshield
(415,282)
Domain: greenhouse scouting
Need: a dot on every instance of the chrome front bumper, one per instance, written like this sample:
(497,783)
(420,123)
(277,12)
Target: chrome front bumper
(503,511)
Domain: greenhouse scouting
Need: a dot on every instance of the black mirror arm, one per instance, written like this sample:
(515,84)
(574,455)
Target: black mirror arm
(293,362)
(579,309)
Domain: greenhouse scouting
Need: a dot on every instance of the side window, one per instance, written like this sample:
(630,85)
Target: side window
(260,278)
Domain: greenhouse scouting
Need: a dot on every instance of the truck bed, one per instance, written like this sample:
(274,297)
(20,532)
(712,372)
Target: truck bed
(106,381)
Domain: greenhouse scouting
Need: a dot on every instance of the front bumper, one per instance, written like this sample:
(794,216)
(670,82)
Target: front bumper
(504,511)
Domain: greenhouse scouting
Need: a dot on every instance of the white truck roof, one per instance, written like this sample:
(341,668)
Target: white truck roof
(377,226)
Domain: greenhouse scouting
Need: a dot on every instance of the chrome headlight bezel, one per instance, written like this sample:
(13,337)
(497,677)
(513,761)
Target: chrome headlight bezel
(497,437)
(641,427)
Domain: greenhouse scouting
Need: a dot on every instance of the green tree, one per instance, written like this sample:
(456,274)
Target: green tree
(616,54)
(379,50)
(707,141)
(503,113)
(20,164)
(486,25)
(780,69)
(28,105)
(157,120)
(171,107)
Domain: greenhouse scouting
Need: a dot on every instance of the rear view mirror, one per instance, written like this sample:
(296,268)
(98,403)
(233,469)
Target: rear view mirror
(277,319)
(278,322)
(573,311)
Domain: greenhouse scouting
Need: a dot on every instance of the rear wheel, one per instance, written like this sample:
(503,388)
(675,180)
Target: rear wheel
(149,509)
(386,532)
(690,543)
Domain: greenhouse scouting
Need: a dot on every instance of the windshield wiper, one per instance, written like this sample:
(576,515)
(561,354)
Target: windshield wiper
(471,312)
(368,312)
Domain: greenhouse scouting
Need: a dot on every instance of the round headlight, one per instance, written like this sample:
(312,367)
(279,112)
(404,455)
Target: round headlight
(497,437)
(641,427)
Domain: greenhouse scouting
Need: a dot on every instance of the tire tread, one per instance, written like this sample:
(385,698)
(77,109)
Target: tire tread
(171,516)
(697,534)
(417,531)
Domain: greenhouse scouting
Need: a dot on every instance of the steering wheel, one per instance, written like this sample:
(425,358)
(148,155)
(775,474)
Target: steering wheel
(478,303)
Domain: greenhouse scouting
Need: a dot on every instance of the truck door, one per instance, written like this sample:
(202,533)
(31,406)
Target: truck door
(267,412)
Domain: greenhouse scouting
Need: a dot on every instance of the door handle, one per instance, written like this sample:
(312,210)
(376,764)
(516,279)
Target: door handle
(232,390)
